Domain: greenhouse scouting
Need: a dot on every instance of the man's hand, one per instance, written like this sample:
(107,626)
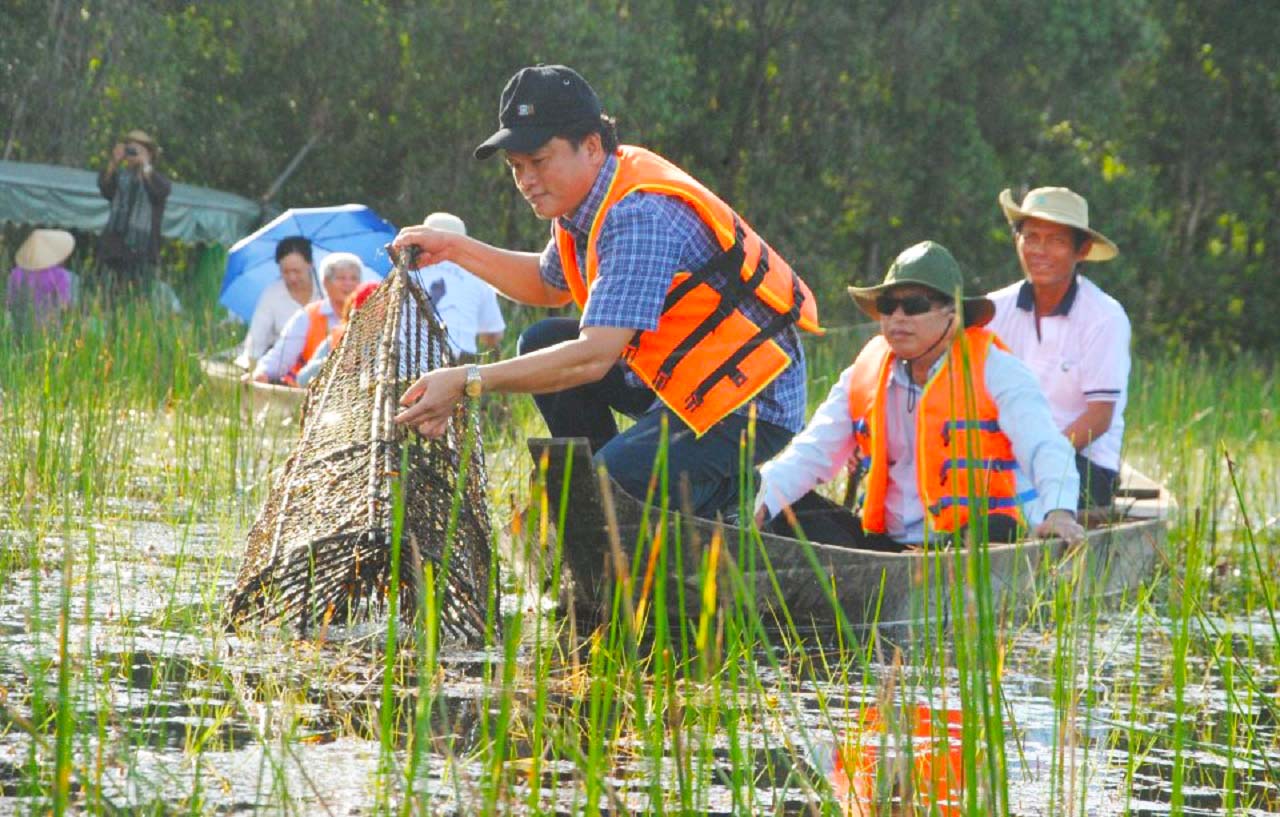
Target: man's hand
(117,153)
(434,245)
(431,399)
(1062,524)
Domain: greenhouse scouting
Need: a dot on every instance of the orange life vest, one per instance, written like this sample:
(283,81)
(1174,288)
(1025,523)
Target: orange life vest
(706,358)
(335,336)
(962,457)
(317,331)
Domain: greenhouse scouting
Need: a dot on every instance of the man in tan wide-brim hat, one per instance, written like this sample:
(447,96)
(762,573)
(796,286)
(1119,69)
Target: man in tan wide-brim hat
(1070,333)
(932,460)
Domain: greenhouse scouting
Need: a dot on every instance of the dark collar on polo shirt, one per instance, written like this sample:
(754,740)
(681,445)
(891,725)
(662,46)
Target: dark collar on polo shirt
(1027,297)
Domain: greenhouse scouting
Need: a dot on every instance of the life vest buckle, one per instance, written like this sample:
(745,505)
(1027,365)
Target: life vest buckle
(724,309)
(738,377)
(661,380)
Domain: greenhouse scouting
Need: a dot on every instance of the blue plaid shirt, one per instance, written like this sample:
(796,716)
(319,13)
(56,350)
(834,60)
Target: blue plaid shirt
(645,239)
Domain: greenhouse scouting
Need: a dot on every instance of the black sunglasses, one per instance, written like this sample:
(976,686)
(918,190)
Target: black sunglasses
(886,305)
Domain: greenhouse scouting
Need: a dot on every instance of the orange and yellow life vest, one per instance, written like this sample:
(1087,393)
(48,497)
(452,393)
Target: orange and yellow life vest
(335,336)
(317,331)
(706,358)
(962,458)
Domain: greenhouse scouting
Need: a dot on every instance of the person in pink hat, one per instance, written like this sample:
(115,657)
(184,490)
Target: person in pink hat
(1073,336)
(40,288)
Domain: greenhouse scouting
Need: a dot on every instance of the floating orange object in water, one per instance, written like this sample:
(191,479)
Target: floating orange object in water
(937,762)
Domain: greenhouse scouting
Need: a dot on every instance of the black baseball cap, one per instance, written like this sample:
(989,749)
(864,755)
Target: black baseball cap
(539,102)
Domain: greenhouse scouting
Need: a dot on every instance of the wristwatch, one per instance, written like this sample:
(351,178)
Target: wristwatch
(475,384)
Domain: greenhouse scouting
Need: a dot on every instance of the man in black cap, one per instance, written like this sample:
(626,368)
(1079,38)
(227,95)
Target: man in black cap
(689,319)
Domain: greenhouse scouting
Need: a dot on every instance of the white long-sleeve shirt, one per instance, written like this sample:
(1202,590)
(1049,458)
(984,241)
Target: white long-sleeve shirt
(1046,460)
(280,358)
(275,307)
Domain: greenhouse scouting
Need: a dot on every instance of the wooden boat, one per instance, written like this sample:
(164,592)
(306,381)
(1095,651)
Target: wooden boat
(816,584)
(226,378)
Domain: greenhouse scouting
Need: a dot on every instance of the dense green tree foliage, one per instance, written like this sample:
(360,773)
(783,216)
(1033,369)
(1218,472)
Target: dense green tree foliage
(844,130)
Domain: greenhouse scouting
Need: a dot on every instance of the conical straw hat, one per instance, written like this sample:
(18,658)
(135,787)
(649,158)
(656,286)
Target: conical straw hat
(45,248)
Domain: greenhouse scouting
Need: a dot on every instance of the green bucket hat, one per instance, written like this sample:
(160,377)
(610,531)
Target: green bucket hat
(927,264)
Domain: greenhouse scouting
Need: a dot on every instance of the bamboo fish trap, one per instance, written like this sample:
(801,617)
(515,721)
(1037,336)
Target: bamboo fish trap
(320,551)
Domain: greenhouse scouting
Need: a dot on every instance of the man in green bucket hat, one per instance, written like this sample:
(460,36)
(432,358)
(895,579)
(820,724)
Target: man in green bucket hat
(946,428)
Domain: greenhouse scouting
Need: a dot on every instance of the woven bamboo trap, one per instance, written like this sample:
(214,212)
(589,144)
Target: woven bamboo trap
(320,550)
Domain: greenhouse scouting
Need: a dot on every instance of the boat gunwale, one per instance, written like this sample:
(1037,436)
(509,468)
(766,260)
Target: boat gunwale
(228,375)
(1165,507)
(629,513)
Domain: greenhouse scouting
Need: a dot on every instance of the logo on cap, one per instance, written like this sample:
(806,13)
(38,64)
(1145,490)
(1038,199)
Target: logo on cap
(524,110)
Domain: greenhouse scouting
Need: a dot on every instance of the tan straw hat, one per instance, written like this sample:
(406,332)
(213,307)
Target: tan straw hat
(1061,206)
(445,221)
(142,138)
(45,248)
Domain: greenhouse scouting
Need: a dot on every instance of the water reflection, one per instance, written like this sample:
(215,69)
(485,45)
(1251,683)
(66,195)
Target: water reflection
(182,716)
(874,773)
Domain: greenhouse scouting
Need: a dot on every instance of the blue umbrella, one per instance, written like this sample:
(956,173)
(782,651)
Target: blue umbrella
(251,264)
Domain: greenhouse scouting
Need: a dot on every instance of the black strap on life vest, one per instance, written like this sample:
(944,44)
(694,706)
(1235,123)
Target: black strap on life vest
(734,291)
(728,261)
(768,332)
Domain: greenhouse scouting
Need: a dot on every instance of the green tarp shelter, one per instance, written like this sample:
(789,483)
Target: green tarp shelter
(68,197)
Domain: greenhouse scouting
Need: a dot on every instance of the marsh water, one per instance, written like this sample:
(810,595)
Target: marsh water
(170,713)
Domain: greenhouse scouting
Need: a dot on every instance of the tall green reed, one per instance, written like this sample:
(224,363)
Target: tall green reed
(669,697)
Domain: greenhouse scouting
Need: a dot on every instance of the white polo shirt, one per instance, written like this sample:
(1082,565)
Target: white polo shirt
(1079,354)
(467,305)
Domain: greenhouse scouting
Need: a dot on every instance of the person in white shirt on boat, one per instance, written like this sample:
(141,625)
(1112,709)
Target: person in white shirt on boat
(467,306)
(942,421)
(1073,336)
(310,326)
(295,289)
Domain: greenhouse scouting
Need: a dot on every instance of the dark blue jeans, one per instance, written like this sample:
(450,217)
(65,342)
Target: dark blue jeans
(1097,484)
(821,520)
(708,465)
